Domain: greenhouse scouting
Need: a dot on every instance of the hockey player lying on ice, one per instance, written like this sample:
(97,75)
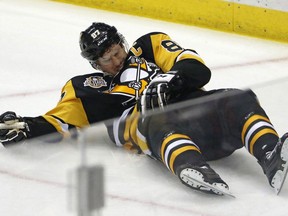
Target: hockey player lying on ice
(157,72)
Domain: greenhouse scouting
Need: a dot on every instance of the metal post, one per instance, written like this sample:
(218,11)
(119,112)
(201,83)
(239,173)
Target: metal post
(90,183)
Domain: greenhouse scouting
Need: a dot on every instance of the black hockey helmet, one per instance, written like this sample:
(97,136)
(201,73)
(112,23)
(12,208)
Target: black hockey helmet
(96,39)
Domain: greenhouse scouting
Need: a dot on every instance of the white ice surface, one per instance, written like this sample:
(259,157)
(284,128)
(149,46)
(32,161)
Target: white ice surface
(39,52)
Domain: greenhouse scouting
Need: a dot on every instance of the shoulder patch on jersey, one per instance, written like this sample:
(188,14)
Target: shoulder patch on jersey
(95,82)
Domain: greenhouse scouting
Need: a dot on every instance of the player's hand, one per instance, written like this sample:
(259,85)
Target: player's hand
(12,128)
(160,90)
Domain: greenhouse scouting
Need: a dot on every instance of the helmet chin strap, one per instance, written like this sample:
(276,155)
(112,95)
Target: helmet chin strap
(95,66)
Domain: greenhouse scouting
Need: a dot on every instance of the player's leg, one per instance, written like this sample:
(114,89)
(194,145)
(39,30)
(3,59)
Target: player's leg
(275,165)
(259,136)
(181,155)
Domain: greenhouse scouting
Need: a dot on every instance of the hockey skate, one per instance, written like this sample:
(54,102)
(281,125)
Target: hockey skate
(275,164)
(203,178)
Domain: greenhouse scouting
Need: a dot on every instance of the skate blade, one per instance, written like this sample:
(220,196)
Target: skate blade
(188,179)
(280,176)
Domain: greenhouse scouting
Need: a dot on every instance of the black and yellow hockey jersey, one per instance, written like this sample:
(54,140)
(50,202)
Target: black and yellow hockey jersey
(227,123)
(91,98)
(84,100)
(160,54)
(160,51)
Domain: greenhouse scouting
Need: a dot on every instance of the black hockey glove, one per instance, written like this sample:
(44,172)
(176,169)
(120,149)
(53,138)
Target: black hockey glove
(160,90)
(12,128)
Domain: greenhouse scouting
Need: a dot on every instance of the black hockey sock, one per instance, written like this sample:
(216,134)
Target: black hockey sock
(189,157)
(264,144)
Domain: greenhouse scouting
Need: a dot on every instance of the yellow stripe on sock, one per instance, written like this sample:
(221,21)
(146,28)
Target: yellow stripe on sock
(258,135)
(178,152)
(249,122)
(168,139)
